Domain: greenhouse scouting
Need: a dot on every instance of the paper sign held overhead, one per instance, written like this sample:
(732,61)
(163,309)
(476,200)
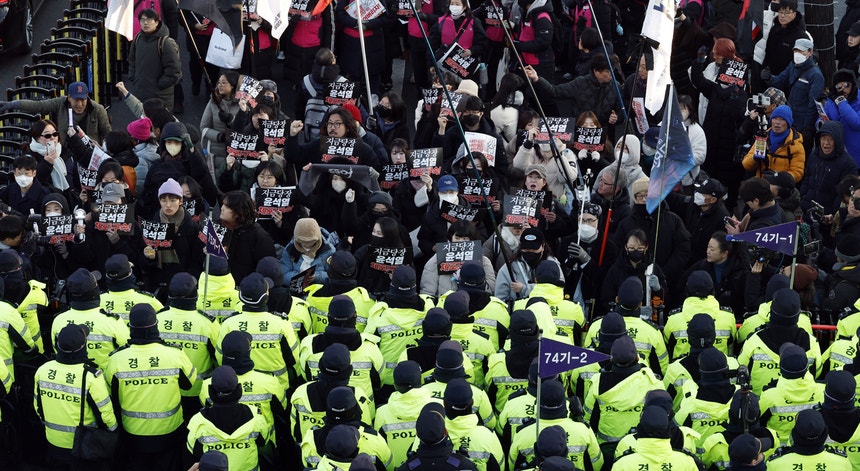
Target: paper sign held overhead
(557,357)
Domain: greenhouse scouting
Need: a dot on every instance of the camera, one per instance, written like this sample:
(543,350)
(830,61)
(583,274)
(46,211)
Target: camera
(761,99)
(758,254)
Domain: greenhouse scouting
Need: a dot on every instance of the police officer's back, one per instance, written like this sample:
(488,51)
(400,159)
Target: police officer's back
(435,330)
(342,272)
(746,454)
(341,451)
(281,300)
(841,415)
(435,451)
(654,448)
(122,293)
(794,391)
(476,345)
(807,450)
(465,429)
(705,405)
(744,415)
(680,437)
(222,298)
(700,299)
(611,328)
(508,370)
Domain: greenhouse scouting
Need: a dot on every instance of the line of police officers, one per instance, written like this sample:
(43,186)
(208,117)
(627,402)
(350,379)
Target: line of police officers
(412,384)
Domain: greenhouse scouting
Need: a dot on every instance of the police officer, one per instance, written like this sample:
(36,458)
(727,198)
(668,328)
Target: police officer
(520,408)
(615,398)
(397,320)
(274,347)
(435,451)
(341,449)
(466,431)
(760,350)
(14,335)
(435,330)
(611,328)
(309,399)
(107,331)
(744,414)
(648,339)
(476,345)
(582,447)
(367,361)
(450,363)
(795,390)
(654,446)
(701,334)
(122,293)
(490,313)
(508,370)
(226,425)
(259,390)
(762,316)
(706,405)
(681,437)
(342,279)
(222,298)
(281,300)
(746,454)
(342,408)
(183,326)
(28,295)
(700,299)
(551,442)
(396,419)
(567,316)
(64,388)
(146,377)
(841,354)
(841,415)
(807,450)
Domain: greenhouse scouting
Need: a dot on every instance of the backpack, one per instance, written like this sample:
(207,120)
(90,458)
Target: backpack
(315,109)
(557,35)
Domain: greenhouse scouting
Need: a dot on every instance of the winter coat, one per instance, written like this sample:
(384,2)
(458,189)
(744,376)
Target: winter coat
(188,248)
(620,271)
(154,70)
(702,226)
(766,217)
(147,153)
(586,94)
(802,85)
(851,16)
(789,157)
(452,141)
(246,246)
(522,273)
(555,180)
(843,289)
(620,209)
(779,51)
(699,144)
(731,287)
(23,203)
(435,284)
(311,153)
(673,240)
(211,126)
(434,228)
(190,163)
(291,260)
(374,281)
(847,113)
(95,121)
(823,172)
(347,40)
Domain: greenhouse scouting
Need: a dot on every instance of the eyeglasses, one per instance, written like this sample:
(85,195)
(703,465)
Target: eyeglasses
(589,221)
(842,86)
(50,135)
(785,13)
(334,124)
(146,20)
(604,182)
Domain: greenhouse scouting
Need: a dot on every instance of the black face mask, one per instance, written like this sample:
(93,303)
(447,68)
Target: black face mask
(524,4)
(532,258)
(383,112)
(635,256)
(470,120)
(376,241)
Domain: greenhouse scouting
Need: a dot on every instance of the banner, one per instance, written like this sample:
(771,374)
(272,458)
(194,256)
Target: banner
(427,161)
(562,129)
(454,212)
(780,238)
(300,282)
(543,199)
(458,63)
(341,93)
(344,147)
(58,228)
(589,139)
(370,9)
(674,157)
(274,131)
(249,90)
(474,193)
(214,240)
(520,210)
(732,72)
(243,146)
(557,357)
(302,9)
(273,200)
(659,27)
(120,18)
(450,256)
(386,259)
(97,158)
(483,143)
(115,218)
(158,235)
(357,173)
(392,175)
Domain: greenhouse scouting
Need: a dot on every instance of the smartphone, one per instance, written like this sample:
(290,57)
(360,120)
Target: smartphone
(729,221)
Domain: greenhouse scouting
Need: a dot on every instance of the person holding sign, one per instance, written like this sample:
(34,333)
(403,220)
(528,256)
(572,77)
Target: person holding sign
(281,209)
(185,254)
(337,123)
(457,26)
(248,242)
(218,115)
(373,17)
(381,256)
(472,118)
(533,249)
(309,247)
(434,226)
(25,193)
(436,278)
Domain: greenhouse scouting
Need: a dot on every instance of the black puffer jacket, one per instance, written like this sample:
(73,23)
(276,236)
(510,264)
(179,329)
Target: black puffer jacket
(779,50)
(673,240)
(823,172)
(190,163)
(702,226)
(844,54)
(245,247)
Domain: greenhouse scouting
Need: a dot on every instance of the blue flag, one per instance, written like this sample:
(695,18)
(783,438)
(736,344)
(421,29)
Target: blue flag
(214,246)
(781,238)
(557,357)
(674,157)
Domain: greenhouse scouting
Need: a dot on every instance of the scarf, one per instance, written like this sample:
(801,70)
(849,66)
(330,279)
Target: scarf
(774,140)
(169,255)
(58,175)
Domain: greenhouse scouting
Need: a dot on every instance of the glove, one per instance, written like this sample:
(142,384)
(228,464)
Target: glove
(576,252)
(349,196)
(766,76)
(583,154)
(186,139)
(654,282)
(595,156)
(226,117)
(221,137)
(370,124)
(702,54)
(839,100)
(619,29)
(645,312)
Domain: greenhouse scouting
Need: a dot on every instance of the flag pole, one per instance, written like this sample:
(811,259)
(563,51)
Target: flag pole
(206,270)
(794,259)
(537,399)
(360,21)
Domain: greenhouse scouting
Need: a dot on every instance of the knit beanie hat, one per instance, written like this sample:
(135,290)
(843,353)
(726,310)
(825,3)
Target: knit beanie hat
(785,308)
(140,129)
(171,187)
(848,248)
(809,433)
(784,112)
(640,185)
(793,363)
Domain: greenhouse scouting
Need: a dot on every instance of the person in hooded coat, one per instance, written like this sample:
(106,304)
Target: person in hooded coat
(310,247)
(847,110)
(681,437)
(743,423)
(826,165)
(654,446)
(508,370)
(841,414)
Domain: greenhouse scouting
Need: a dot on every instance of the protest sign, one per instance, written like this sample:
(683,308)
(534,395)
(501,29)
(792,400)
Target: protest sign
(454,212)
(392,175)
(274,131)
(589,139)
(386,259)
(345,147)
(483,143)
(426,161)
(243,146)
(520,210)
(273,200)
(450,256)
(341,93)
(158,235)
(58,228)
(114,218)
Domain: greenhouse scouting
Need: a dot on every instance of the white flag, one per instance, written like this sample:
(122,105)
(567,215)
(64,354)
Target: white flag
(659,26)
(276,13)
(120,18)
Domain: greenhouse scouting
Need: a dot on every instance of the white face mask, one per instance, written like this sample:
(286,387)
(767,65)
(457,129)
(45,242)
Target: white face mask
(587,233)
(625,157)
(456,10)
(52,213)
(173,148)
(799,58)
(23,180)
(338,185)
(698,199)
(449,197)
